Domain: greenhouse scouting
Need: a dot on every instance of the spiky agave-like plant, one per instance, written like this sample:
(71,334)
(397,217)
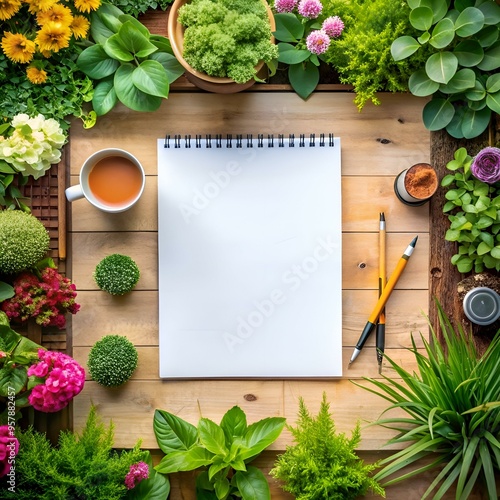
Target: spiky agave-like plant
(453,408)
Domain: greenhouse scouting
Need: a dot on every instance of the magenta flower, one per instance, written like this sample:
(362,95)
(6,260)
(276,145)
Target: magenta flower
(310,8)
(486,165)
(136,474)
(64,379)
(9,446)
(317,42)
(333,26)
(282,6)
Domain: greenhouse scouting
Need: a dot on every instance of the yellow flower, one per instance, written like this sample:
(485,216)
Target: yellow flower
(17,47)
(53,36)
(8,8)
(36,75)
(39,5)
(80,26)
(87,5)
(57,14)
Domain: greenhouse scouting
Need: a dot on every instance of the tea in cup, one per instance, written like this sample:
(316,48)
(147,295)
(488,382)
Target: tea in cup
(111,180)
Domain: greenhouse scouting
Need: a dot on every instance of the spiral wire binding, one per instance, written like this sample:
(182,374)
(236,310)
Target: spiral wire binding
(177,140)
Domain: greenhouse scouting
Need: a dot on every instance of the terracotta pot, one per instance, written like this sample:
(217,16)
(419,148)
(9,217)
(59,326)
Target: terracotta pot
(202,80)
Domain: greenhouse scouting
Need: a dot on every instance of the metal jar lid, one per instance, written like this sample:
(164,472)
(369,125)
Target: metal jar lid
(482,305)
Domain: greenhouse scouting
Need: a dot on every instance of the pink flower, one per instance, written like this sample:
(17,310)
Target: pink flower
(64,380)
(486,165)
(318,42)
(333,26)
(9,447)
(284,5)
(310,8)
(136,474)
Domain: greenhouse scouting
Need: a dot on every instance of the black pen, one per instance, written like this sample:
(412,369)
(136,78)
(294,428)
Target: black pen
(380,332)
(386,293)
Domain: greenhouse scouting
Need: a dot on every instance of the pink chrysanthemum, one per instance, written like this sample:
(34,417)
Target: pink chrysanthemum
(282,6)
(318,42)
(136,474)
(310,8)
(333,26)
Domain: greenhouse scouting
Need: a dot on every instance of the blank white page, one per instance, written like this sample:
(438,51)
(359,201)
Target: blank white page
(250,258)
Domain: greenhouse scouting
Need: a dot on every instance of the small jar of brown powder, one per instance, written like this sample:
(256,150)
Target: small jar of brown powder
(415,185)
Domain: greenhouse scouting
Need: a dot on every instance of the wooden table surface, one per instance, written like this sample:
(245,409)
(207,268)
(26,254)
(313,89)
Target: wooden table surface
(377,144)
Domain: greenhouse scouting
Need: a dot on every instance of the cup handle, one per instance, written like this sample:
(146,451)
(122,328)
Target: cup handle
(74,192)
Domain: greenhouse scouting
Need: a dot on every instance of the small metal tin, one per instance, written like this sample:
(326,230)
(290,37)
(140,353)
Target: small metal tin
(482,305)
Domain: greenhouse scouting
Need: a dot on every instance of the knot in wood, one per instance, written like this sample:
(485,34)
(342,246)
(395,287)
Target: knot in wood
(436,272)
(250,397)
(384,141)
(362,265)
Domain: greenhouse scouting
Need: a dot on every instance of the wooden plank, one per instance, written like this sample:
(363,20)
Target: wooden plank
(392,132)
(135,315)
(359,269)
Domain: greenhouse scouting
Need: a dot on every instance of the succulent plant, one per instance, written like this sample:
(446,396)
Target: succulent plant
(112,360)
(116,274)
(24,241)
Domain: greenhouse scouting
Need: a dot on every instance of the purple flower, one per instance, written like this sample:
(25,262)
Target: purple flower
(310,8)
(333,26)
(317,42)
(486,165)
(136,474)
(284,5)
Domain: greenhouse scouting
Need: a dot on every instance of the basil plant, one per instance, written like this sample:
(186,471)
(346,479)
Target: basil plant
(128,63)
(461,72)
(222,450)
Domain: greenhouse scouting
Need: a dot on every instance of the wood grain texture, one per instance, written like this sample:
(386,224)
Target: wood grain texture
(376,145)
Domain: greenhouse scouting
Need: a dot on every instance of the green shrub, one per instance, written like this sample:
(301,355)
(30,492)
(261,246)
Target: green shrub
(82,466)
(323,463)
(137,7)
(112,360)
(23,242)
(116,274)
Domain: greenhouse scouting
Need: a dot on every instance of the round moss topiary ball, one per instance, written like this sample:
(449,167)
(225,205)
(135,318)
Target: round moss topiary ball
(116,274)
(23,241)
(112,360)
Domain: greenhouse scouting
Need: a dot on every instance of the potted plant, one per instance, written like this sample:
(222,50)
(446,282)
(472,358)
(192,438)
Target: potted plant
(222,45)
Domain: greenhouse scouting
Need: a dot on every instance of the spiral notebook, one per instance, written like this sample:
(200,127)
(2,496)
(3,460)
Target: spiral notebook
(249,237)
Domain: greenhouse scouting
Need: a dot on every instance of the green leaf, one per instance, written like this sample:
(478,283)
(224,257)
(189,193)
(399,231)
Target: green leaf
(493,102)
(491,12)
(115,49)
(104,98)
(442,34)
(6,168)
(157,487)
(469,22)
(234,424)
(99,30)
(289,54)
(437,114)
(421,85)
(495,252)
(129,94)
(464,264)
(491,59)
(493,83)
(172,432)
(288,28)
(6,291)
(477,93)
(469,53)
(421,18)
(135,41)
(303,78)
(441,66)
(151,78)
(96,64)
(487,36)
(483,248)
(124,18)
(452,235)
(171,65)
(212,437)
(184,460)
(222,488)
(462,80)
(404,47)
(260,435)
(162,43)
(474,123)
(12,378)
(252,484)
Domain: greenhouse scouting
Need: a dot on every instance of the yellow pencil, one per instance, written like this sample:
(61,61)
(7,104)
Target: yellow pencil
(384,297)
(380,332)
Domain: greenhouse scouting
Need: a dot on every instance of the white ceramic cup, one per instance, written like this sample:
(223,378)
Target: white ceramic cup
(82,190)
